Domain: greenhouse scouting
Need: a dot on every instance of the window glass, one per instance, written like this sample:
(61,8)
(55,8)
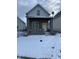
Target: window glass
(35,25)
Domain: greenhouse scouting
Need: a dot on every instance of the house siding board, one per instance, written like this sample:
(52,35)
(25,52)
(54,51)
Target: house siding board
(33,12)
(57,24)
(20,24)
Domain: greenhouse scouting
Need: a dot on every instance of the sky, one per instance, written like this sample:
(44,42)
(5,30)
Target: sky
(23,6)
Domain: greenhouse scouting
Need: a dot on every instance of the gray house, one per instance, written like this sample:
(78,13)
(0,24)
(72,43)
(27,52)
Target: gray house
(37,20)
(20,24)
(57,22)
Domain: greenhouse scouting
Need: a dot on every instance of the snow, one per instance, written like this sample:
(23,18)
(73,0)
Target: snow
(31,46)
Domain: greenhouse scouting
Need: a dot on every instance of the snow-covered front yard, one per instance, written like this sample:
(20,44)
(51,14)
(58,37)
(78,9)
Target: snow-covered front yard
(39,46)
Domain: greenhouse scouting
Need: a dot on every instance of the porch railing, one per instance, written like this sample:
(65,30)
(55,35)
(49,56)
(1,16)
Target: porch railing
(36,31)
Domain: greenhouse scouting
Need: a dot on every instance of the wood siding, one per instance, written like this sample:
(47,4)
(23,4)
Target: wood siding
(20,24)
(57,24)
(34,12)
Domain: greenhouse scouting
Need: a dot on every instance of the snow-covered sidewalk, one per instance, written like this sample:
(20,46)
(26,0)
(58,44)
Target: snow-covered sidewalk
(39,46)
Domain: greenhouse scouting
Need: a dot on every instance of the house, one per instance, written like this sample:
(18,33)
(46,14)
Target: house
(57,22)
(20,24)
(38,19)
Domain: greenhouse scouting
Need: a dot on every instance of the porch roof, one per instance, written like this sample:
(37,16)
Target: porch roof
(39,17)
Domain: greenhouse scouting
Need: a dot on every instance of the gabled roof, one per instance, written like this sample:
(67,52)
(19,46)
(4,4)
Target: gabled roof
(20,19)
(36,6)
(58,14)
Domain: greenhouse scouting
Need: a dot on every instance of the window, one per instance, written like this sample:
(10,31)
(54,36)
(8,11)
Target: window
(38,12)
(35,25)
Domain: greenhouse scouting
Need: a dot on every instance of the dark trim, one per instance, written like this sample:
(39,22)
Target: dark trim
(40,17)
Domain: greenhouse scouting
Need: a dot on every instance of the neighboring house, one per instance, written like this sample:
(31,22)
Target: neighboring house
(20,24)
(57,22)
(37,20)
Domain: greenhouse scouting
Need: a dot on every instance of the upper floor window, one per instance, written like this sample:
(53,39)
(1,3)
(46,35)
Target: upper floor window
(38,12)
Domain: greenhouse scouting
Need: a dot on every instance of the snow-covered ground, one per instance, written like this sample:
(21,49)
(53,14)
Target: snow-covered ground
(31,46)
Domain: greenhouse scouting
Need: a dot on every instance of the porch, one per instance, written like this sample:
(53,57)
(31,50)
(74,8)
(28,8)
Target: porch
(38,25)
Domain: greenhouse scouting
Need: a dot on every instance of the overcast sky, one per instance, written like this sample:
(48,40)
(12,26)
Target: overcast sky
(24,6)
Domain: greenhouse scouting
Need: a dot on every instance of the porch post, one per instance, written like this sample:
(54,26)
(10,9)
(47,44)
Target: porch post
(51,26)
(28,25)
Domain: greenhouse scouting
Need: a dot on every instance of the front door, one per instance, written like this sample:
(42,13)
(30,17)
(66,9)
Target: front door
(44,26)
